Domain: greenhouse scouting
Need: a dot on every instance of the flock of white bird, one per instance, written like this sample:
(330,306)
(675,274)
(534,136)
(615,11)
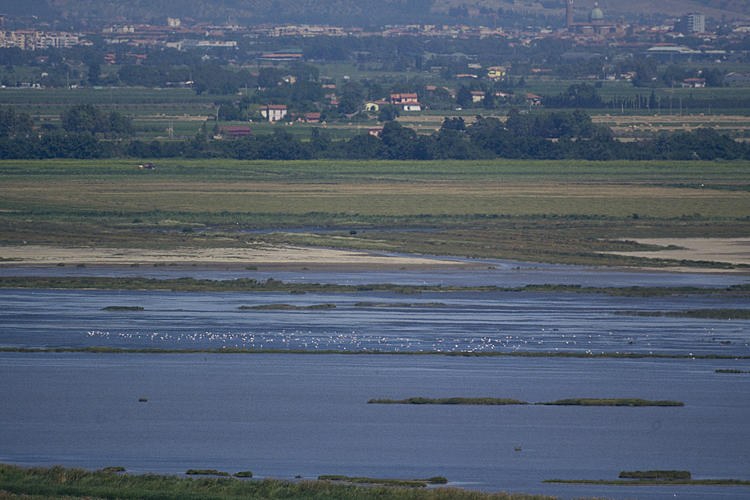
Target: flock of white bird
(359,341)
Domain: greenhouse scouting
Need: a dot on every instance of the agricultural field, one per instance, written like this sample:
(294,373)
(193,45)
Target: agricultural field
(538,211)
(179,113)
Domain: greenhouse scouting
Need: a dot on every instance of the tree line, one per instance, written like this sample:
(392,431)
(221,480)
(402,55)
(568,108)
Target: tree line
(553,135)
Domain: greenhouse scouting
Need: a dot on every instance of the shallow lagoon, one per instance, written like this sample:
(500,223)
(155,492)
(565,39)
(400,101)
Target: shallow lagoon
(443,321)
(284,415)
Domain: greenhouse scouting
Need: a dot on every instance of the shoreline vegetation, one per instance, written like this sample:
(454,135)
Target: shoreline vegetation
(287,307)
(652,482)
(247,285)
(62,483)
(409,483)
(243,350)
(498,402)
(696,314)
(653,478)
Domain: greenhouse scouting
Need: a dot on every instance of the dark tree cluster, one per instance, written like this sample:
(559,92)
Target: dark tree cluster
(15,125)
(554,135)
(88,119)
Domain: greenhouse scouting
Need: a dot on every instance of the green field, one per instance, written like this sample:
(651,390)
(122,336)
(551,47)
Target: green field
(542,211)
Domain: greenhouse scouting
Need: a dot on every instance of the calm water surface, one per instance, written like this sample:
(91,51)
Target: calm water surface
(284,415)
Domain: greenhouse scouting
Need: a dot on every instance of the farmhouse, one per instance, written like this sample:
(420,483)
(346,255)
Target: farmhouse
(273,112)
(235,132)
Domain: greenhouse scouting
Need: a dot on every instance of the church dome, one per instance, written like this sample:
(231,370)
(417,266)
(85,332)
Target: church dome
(596,13)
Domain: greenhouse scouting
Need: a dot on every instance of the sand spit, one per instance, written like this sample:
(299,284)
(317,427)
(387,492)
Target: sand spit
(258,255)
(730,250)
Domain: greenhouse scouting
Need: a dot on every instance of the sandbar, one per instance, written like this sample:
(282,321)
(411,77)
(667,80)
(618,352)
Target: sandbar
(727,250)
(260,256)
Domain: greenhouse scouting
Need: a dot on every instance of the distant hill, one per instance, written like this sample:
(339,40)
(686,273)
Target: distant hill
(365,12)
(250,11)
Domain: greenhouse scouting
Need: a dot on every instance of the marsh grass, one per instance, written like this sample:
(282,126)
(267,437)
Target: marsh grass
(410,483)
(655,474)
(323,352)
(612,402)
(652,482)
(271,285)
(58,483)
(288,307)
(399,304)
(497,401)
(450,401)
(536,211)
(207,472)
(696,313)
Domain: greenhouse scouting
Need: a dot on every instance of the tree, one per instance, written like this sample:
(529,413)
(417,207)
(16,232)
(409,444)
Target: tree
(94,72)
(269,77)
(456,123)
(397,140)
(463,96)
(85,118)
(388,112)
(15,125)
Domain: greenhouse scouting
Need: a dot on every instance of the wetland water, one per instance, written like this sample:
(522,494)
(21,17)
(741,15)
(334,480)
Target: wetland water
(282,415)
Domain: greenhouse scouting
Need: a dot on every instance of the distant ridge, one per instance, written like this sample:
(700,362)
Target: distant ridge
(366,12)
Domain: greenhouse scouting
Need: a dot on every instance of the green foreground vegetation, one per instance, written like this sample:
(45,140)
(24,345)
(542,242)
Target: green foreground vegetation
(60,483)
(500,402)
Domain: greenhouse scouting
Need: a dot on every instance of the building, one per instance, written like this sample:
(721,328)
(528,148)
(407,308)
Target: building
(399,99)
(696,83)
(406,102)
(569,15)
(496,72)
(309,118)
(273,112)
(691,23)
(235,132)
